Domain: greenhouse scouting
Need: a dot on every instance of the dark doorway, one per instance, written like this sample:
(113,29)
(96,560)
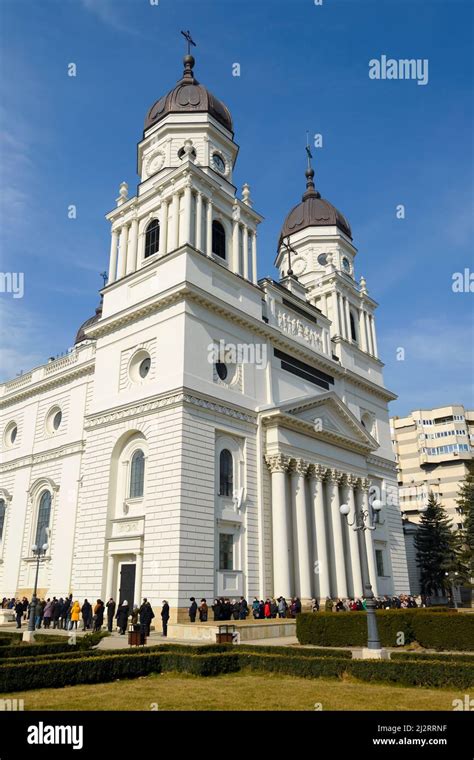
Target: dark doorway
(127,584)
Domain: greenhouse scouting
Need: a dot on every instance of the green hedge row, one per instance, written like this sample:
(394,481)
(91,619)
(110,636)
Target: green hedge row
(433,631)
(432,656)
(83,670)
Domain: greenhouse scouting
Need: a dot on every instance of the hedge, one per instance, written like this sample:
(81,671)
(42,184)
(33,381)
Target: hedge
(101,669)
(349,629)
(430,656)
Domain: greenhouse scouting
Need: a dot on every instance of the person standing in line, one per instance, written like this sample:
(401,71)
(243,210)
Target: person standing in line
(244,608)
(146,616)
(98,615)
(110,614)
(122,617)
(86,615)
(192,610)
(19,613)
(74,615)
(203,611)
(165,616)
(38,614)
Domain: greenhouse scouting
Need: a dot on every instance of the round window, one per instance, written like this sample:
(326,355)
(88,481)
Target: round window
(57,419)
(322,259)
(139,367)
(218,163)
(13,434)
(10,434)
(144,367)
(222,370)
(53,420)
(346,264)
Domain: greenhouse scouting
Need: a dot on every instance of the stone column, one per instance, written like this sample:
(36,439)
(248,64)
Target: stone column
(316,485)
(109,589)
(209,228)
(245,246)
(254,257)
(132,251)
(350,485)
(372,332)
(199,221)
(175,226)
(164,228)
(362,334)
(235,247)
(336,522)
(302,533)
(123,244)
(279,465)
(335,313)
(187,214)
(367,333)
(138,577)
(369,535)
(113,257)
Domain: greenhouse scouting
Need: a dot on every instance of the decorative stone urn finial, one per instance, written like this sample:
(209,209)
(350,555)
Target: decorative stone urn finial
(123,193)
(363,284)
(246,195)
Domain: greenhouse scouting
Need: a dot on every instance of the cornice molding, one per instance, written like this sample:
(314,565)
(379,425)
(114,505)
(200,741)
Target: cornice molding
(46,456)
(152,405)
(48,383)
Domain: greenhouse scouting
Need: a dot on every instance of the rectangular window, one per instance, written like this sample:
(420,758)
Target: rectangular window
(226,551)
(379,561)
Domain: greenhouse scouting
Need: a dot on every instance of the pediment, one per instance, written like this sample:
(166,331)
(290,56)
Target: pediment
(325,416)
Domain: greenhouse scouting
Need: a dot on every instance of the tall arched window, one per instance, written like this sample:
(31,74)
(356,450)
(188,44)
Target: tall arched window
(44,516)
(137,474)
(353,327)
(226,473)
(152,238)
(3,509)
(218,239)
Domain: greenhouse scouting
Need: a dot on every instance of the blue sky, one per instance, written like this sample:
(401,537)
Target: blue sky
(303,67)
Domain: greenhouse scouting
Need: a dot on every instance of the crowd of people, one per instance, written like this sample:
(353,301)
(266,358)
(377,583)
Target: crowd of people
(66,614)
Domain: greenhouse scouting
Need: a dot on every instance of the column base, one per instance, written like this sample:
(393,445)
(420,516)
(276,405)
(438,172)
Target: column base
(370,654)
(28,637)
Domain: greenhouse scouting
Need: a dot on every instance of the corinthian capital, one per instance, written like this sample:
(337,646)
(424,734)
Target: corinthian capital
(318,471)
(278,463)
(299,466)
(352,481)
(335,476)
(364,484)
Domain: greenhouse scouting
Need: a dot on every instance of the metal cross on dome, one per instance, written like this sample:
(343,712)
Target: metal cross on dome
(189,40)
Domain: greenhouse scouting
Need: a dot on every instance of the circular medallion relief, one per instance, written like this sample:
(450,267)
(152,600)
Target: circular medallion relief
(154,163)
(298,266)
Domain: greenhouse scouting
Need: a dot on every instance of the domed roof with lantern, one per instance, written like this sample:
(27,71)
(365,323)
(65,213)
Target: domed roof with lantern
(313,211)
(189,96)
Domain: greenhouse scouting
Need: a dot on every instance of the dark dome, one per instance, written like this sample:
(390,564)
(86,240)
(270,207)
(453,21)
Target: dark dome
(82,332)
(189,97)
(313,211)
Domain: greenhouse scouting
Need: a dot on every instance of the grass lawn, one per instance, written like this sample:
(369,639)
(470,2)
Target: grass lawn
(240,691)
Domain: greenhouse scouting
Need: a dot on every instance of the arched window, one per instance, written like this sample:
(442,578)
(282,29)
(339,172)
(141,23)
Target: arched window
(226,473)
(218,239)
(3,510)
(44,516)
(353,327)
(152,238)
(137,474)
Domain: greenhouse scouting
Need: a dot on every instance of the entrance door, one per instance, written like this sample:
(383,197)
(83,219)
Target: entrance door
(127,584)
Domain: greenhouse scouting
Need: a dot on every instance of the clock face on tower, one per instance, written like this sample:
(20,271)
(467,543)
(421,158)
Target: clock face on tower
(346,265)
(218,163)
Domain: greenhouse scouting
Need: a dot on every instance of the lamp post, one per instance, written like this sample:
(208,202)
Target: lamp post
(362,522)
(39,551)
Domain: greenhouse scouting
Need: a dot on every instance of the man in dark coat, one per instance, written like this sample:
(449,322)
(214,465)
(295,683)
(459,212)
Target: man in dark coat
(192,610)
(122,617)
(58,613)
(86,610)
(146,616)
(110,614)
(243,608)
(165,616)
(19,610)
(217,609)
(227,610)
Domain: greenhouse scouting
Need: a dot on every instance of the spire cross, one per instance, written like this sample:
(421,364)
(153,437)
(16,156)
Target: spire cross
(308,150)
(189,40)
(104,277)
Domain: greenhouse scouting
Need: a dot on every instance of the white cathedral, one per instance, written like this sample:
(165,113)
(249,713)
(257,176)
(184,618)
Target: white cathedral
(202,434)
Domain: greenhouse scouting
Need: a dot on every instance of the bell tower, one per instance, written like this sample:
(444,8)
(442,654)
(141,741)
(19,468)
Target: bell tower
(319,238)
